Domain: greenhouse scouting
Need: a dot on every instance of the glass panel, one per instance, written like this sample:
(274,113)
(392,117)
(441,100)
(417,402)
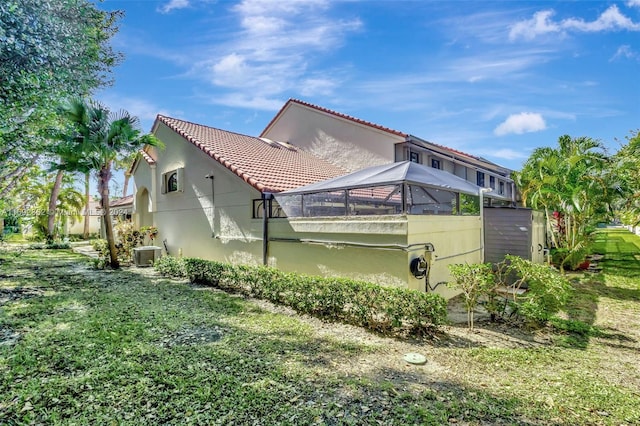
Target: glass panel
(276,210)
(324,204)
(379,200)
(172,184)
(291,205)
(425,200)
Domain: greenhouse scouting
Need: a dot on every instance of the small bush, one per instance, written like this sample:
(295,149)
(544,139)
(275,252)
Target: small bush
(171,266)
(547,290)
(476,281)
(564,258)
(386,310)
(55,245)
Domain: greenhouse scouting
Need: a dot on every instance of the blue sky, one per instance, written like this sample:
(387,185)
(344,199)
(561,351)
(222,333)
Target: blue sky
(495,79)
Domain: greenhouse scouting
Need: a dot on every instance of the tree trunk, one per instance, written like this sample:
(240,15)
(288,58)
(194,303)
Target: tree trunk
(554,242)
(125,187)
(104,175)
(53,201)
(85,232)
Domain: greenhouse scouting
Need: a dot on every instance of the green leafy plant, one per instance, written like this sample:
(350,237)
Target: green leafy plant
(171,266)
(547,291)
(475,281)
(383,309)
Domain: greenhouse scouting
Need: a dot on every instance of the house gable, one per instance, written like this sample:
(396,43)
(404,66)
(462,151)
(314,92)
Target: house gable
(266,165)
(355,144)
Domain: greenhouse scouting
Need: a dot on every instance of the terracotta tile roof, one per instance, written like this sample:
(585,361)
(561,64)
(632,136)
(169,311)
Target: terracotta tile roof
(121,201)
(266,165)
(337,114)
(147,156)
(142,154)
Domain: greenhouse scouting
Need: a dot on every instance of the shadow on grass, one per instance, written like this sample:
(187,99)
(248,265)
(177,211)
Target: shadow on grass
(621,251)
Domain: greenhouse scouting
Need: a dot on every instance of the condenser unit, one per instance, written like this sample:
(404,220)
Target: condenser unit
(146,255)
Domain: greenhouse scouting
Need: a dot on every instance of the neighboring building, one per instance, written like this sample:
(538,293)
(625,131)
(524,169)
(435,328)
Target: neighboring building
(121,211)
(75,225)
(328,134)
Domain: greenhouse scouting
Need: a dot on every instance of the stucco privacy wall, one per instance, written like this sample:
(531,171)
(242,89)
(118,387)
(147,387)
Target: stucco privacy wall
(347,144)
(328,247)
(188,220)
(456,239)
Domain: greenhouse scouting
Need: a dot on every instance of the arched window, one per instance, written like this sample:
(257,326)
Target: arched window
(172,182)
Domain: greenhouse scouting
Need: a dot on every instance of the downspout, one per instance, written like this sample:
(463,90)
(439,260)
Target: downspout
(266,198)
(154,191)
(213,205)
(403,192)
(482,192)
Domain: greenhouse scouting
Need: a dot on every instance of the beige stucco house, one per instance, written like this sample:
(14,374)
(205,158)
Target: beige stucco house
(221,195)
(328,135)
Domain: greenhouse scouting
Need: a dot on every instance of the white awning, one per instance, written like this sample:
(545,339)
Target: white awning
(392,174)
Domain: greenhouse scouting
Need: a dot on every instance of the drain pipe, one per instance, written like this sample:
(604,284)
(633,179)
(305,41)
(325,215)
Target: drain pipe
(266,198)
(482,192)
(213,204)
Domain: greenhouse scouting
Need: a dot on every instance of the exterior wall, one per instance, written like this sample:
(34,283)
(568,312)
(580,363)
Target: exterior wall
(77,227)
(456,239)
(190,222)
(143,201)
(347,144)
(329,247)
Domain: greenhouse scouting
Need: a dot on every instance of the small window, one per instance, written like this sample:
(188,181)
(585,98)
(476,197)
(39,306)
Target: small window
(501,190)
(435,163)
(492,182)
(480,179)
(172,181)
(414,157)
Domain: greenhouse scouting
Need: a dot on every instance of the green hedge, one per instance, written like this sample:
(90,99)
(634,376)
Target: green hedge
(383,309)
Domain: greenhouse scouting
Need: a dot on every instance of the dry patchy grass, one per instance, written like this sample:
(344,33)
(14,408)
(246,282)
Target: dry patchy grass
(81,346)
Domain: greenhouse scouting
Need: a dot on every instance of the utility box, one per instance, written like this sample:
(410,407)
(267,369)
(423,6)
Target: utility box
(517,231)
(146,255)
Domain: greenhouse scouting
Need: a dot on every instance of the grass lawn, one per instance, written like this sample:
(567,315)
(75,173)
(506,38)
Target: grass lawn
(80,346)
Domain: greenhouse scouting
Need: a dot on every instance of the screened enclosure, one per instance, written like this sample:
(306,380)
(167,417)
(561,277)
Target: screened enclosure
(390,189)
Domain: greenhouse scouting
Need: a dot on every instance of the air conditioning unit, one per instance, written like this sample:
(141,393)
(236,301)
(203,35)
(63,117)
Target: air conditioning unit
(146,255)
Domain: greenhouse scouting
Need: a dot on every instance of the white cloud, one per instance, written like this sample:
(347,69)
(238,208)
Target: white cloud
(144,109)
(539,24)
(525,122)
(610,19)
(507,154)
(317,86)
(273,50)
(625,52)
(247,101)
(633,3)
(173,4)
(542,23)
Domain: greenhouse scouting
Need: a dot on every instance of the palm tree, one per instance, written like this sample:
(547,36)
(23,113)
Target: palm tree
(87,198)
(70,156)
(627,171)
(103,137)
(37,194)
(571,184)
